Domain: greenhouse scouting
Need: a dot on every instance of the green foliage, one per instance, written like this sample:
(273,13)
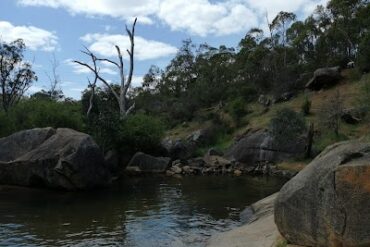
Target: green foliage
(306,106)
(140,132)
(38,113)
(327,138)
(363,59)
(282,243)
(287,125)
(237,109)
(16,75)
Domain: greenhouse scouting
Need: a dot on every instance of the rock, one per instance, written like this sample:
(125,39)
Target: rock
(196,162)
(217,161)
(178,149)
(62,158)
(144,163)
(327,203)
(283,98)
(238,173)
(260,231)
(111,160)
(264,100)
(351,65)
(259,146)
(202,136)
(351,116)
(170,173)
(176,169)
(324,78)
(215,152)
(187,170)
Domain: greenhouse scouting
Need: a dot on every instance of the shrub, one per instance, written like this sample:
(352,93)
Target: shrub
(306,106)
(39,113)
(287,125)
(237,109)
(140,132)
(363,59)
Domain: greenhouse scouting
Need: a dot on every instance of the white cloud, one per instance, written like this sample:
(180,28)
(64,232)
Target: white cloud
(35,38)
(198,17)
(137,81)
(272,7)
(103,44)
(126,9)
(202,17)
(77,69)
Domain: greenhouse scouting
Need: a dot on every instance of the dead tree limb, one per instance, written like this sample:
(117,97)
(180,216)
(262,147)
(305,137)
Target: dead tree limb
(120,96)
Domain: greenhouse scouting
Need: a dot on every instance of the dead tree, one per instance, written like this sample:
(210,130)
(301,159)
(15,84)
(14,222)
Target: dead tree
(120,96)
(91,99)
(55,92)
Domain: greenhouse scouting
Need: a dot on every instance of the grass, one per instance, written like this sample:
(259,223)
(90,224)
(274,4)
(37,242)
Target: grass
(282,243)
(294,166)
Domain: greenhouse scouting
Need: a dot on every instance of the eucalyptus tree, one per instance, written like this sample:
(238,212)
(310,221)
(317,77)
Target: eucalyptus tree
(16,75)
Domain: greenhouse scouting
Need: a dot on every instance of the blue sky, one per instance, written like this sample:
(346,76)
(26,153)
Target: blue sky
(62,27)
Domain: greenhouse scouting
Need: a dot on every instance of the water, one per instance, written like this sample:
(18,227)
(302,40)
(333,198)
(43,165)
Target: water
(147,211)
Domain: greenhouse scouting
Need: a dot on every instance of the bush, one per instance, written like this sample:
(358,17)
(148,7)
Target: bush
(39,113)
(363,59)
(140,132)
(237,109)
(287,125)
(306,106)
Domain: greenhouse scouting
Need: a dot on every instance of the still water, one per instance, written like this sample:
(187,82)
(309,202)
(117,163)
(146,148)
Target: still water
(146,211)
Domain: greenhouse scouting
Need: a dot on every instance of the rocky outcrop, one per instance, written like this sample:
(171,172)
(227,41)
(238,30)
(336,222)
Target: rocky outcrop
(261,230)
(258,146)
(185,148)
(62,158)
(144,163)
(324,78)
(327,203)
(178,149)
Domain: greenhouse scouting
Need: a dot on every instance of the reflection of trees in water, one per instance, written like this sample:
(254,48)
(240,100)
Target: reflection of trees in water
(134,211)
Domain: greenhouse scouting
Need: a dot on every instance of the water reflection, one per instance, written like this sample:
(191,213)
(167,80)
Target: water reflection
(147,211)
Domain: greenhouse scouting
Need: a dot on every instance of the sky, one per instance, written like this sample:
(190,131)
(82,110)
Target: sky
(61,28)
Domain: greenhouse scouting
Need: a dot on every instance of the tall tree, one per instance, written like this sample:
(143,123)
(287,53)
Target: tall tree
(16,75)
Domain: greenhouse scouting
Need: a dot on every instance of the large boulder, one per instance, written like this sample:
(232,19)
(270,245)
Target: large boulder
(259,146)
(144,163)
(324,78)
(178,149)
(327,203)
(61,158)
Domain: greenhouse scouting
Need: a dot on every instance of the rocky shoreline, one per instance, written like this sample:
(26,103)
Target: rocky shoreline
(326,204)
(260,231)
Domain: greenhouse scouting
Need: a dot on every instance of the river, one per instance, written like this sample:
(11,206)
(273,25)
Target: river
(145,211)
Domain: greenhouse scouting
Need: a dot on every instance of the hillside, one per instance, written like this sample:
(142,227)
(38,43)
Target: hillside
(350,89)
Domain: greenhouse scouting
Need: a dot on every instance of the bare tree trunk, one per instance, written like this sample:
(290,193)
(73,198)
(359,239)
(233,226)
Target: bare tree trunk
(91,100)
(120,97)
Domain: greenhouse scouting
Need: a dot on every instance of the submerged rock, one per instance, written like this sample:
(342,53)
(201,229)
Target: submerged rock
(327,203)
(46,157)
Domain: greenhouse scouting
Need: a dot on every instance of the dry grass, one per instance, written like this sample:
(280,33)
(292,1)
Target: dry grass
(292,166)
